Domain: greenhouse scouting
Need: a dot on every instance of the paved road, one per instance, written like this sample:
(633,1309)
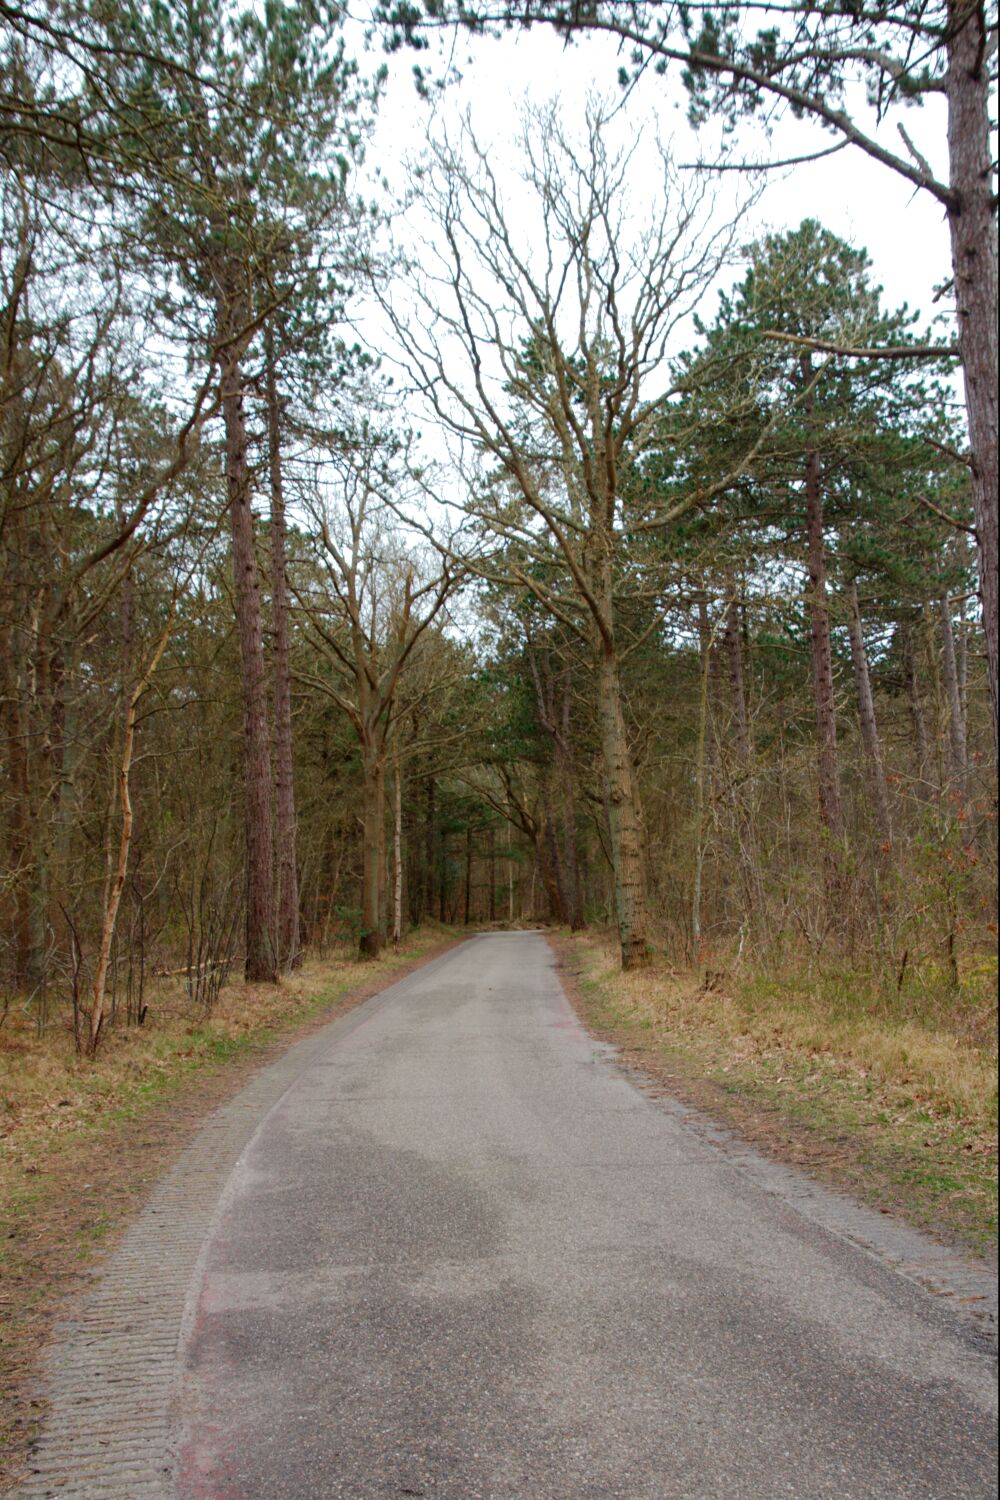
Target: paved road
(465,1257)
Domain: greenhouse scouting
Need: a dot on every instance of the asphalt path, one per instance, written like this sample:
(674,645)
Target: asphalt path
(465,1256)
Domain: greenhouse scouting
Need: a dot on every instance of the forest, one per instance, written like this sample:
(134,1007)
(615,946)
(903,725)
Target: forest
(535,546)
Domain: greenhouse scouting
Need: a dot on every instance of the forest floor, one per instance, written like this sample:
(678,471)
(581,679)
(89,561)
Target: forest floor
(81,1144)
(892,1098)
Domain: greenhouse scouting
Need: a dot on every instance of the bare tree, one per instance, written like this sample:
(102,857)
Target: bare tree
(815,61)
(366,608)
(544,353)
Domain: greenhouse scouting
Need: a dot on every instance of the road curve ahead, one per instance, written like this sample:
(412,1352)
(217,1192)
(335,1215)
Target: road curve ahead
(465,1257)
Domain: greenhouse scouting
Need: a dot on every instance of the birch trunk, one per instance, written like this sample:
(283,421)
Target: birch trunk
(866,715)
(953,699)
(117,883)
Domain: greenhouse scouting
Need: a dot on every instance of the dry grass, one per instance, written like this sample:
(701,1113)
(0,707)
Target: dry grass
(893,1094)
(48,1093)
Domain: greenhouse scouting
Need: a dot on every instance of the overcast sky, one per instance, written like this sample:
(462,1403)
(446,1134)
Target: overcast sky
(905,233)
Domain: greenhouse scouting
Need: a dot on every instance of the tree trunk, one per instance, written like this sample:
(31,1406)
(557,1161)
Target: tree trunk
(491,864)
(543,867)
(21,867)
(911,671)
(878,790)
(737,688)
(577,921)
(974,262)
(468,875)
(827,764)
(288,943)
(953,695)
(429,848)
(373,815)
(564,763)
(561,912)
(260,954)
(701,771)
(397,855)
(626,834)
(442,876)
(383,864)
(117,884)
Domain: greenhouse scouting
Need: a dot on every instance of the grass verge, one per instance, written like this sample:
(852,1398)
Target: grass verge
(891,1098)
(81,1143)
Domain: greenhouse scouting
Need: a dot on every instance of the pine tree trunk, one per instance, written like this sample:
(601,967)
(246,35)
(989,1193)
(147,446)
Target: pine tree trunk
(974,262)
(626,833)
(827,764)
(866,715)
(288,942)
(260,948)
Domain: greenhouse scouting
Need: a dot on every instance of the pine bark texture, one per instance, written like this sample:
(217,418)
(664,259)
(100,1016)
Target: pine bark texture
(260,962)
(972,221)
(287,915)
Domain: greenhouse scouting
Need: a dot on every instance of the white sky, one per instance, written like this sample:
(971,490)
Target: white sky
(905,232)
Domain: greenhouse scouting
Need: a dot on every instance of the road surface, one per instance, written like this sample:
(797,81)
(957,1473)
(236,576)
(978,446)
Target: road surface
(464,1256)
